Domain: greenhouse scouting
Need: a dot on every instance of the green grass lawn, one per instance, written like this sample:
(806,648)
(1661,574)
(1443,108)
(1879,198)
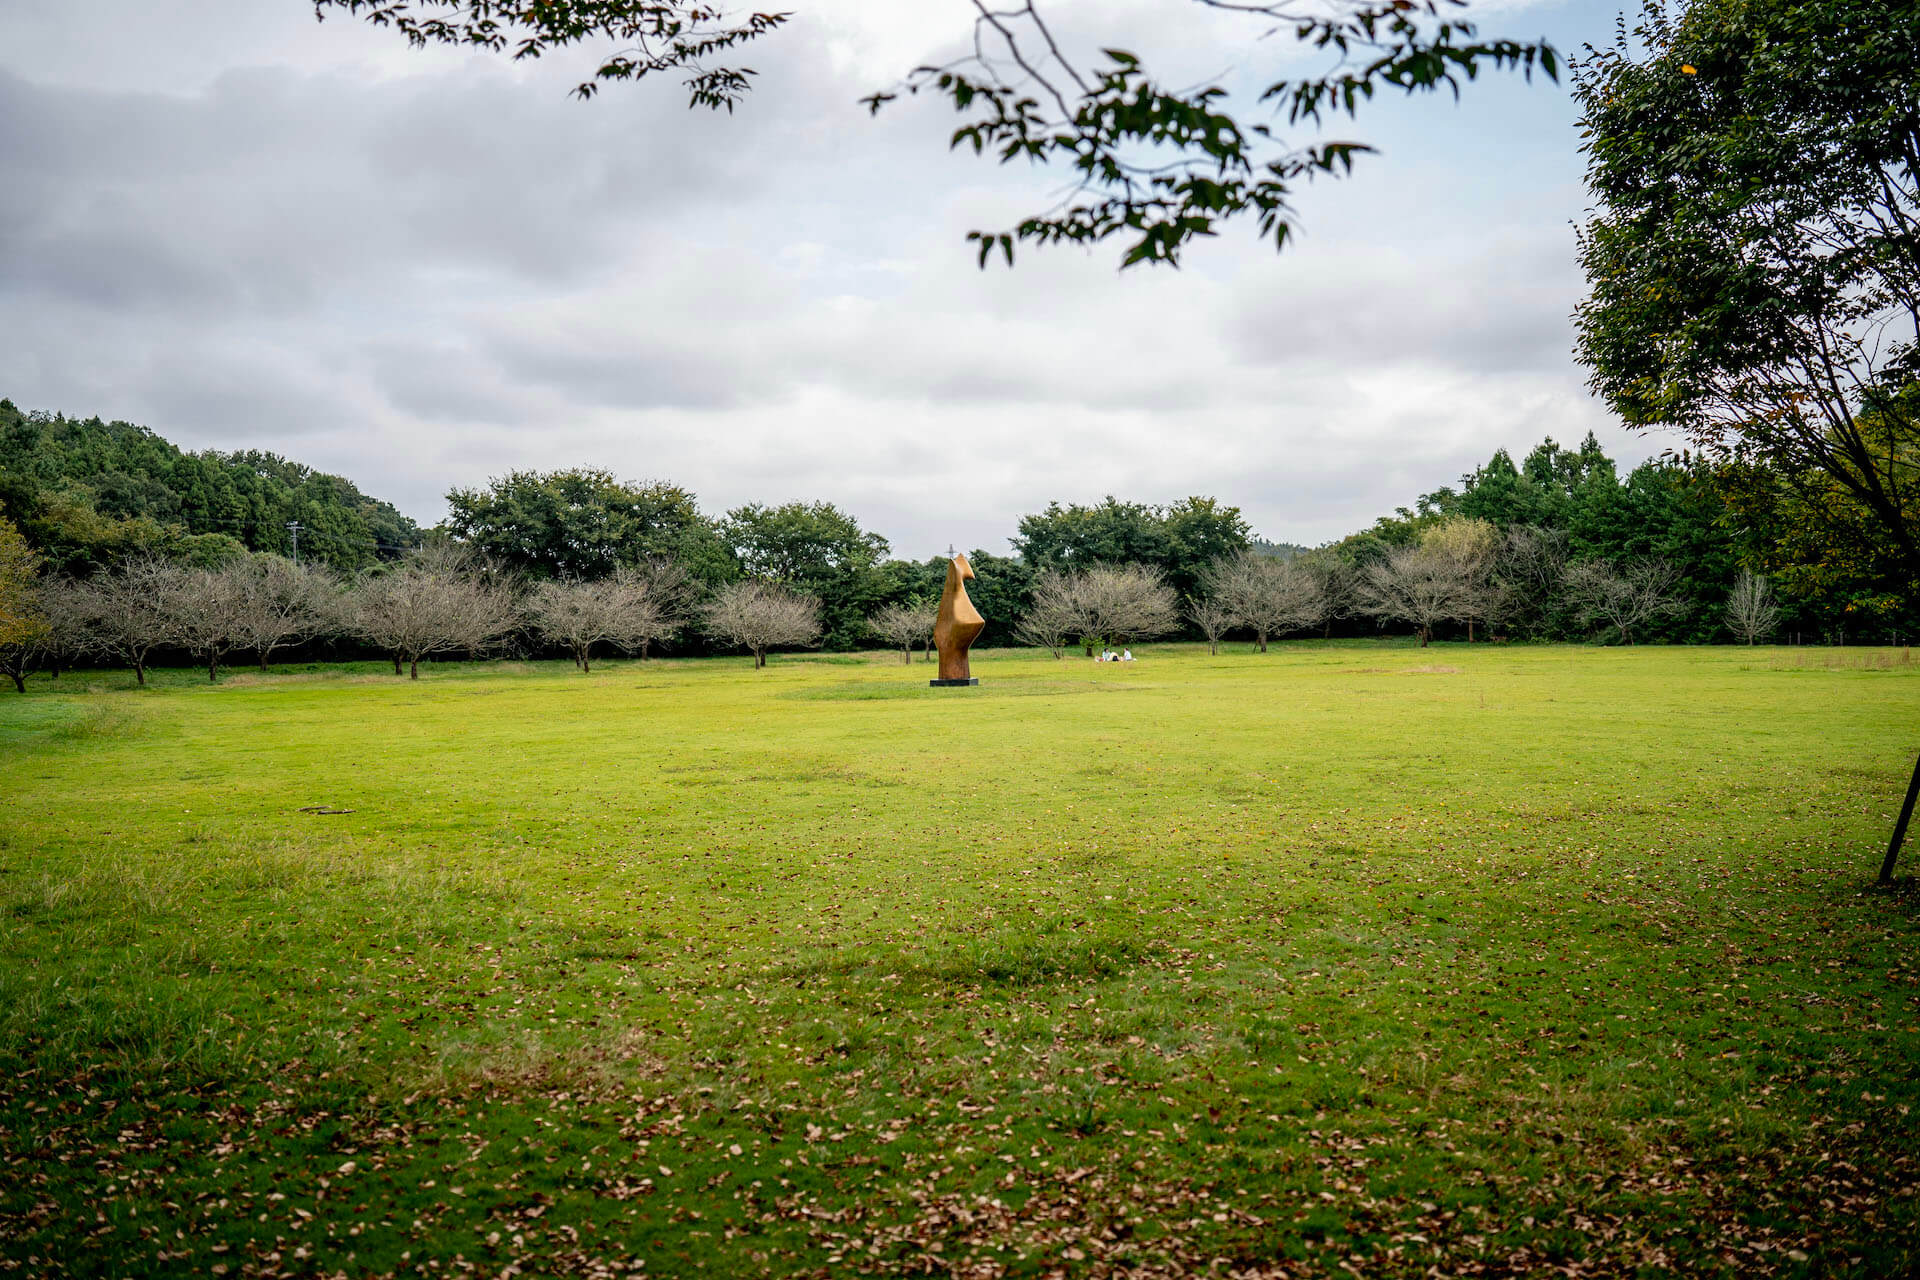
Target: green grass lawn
(1344,959)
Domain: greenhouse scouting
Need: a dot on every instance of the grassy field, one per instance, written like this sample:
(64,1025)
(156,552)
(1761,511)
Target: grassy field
(1346,959)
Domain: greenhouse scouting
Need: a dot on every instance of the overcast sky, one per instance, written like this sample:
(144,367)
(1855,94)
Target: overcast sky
(422,269)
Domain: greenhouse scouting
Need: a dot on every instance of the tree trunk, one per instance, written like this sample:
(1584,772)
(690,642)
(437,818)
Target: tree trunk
(1469,630)
(759,659)
(213,666)
(1425,636)
(1328,633)
(906,654)
(140,672)
(1261,637)
(53,669)
(18,682)
(585,658)
(413,668)
(396,664)
(1213,648)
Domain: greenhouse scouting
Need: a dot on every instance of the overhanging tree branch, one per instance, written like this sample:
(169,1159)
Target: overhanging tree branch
(1156,165)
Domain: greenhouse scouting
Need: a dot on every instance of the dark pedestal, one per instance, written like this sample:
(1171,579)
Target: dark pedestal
(953,684)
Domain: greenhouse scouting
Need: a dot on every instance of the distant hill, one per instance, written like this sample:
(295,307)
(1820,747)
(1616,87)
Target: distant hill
(88,492)
(1278,550)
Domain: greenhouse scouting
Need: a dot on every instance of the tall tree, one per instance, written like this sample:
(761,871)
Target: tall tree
(1181,540)
(584,523)
(818,550)
(1754,265)
(1068,538)
(1199,532)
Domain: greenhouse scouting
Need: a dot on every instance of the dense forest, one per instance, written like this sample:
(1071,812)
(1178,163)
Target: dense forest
(89,493)
(1523,550)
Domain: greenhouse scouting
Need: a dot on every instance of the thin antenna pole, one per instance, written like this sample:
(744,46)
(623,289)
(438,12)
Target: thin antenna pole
(293,527)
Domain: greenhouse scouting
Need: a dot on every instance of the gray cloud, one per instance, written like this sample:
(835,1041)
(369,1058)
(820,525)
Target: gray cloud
(424,269)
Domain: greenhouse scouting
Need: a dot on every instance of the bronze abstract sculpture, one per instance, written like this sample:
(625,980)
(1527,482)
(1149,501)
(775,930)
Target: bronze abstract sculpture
(958,624)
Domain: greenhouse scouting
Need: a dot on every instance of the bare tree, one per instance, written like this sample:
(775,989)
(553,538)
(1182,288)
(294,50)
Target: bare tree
(281,603)
(69,637)
(621,610)
(1051,619)
(1627,596)
(905,624)
(1529,572)
(1271,596)
(1751,611)
(761,615)
(1119,603)
(1213,618)
(673,595)
(204,609)
(440,600)
(1339,594)
(1419,585)
(125,611)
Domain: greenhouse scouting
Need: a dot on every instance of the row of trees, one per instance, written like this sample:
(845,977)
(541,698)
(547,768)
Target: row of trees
(445,599)
(88,495)
(1463,572)
(442,599)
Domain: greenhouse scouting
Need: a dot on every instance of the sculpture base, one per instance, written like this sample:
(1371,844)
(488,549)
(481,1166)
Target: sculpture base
(953,684)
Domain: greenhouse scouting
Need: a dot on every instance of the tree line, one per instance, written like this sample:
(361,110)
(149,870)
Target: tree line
(89,494)
(440,600)
(1556,546)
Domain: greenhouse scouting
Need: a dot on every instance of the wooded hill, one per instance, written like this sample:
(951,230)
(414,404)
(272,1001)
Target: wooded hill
(87,493)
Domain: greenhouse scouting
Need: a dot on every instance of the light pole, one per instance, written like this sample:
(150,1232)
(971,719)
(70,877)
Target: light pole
(293,527)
